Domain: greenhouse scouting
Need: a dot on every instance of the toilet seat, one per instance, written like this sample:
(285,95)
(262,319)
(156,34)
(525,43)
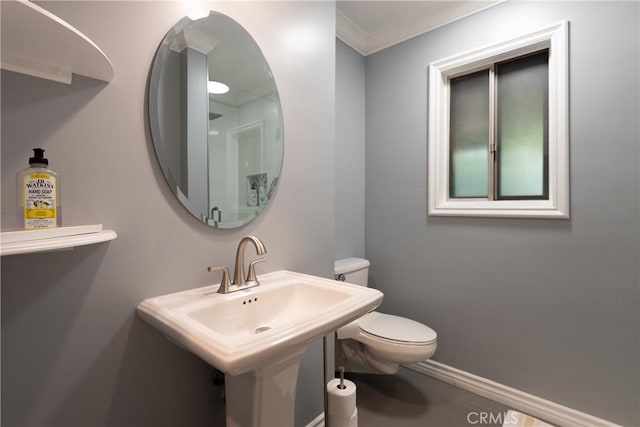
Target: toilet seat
(395,329)
(388,339)
(396,352)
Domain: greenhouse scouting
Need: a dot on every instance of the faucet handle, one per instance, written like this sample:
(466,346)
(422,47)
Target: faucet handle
(251,274)
(224,283)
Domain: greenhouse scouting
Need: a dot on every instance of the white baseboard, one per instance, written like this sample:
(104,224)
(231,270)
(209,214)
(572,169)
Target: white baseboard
(317,421)
(515,399)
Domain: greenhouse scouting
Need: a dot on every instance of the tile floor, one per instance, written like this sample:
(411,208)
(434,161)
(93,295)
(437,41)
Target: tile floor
(411,399)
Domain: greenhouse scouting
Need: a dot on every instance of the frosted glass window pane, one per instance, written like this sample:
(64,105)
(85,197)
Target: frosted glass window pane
(522,127)
(469,136)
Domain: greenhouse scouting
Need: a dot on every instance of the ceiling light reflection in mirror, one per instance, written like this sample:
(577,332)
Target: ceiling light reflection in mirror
(217,88)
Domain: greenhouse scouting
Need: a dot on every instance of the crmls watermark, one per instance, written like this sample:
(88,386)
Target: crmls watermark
(500,418)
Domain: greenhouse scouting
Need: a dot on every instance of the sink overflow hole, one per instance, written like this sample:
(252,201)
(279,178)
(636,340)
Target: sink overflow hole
(250,300)
(262,329)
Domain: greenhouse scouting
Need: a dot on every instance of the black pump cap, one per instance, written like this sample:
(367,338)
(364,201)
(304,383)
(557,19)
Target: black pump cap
(38,157)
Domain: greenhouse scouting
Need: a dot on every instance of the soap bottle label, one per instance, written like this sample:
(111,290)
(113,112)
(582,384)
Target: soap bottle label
(39,201)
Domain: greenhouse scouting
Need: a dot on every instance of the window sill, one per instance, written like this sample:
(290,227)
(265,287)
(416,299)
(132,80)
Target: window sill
(500,209)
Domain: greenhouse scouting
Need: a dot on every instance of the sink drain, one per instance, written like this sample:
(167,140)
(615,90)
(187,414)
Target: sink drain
(262,329)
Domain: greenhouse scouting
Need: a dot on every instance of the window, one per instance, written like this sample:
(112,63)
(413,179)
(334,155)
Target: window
(498,138)
(498,135)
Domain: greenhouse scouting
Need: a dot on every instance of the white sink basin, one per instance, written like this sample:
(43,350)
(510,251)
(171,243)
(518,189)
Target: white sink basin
(241,331)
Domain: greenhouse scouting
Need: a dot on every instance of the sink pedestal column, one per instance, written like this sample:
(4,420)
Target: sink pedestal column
(265,396)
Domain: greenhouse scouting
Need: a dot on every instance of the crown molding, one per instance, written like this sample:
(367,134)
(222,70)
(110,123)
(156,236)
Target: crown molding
(367,44)
(351,34)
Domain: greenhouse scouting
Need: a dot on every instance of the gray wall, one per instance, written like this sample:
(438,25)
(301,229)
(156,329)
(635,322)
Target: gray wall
(73,351)
(350,157)
(549,307)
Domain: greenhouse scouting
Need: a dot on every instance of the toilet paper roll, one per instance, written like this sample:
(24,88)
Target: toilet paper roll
(342,402)
(351,421)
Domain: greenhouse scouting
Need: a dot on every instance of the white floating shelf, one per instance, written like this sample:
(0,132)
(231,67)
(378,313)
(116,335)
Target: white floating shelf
(51,239)
(38,43)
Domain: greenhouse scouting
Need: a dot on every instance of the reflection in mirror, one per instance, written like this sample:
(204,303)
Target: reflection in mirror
(216,120)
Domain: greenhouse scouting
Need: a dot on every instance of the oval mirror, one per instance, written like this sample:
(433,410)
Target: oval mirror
(216,120)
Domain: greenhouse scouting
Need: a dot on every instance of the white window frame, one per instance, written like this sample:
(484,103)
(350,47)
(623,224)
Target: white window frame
(556,39)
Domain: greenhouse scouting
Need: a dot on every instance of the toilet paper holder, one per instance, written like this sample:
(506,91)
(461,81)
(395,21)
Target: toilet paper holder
(341,386)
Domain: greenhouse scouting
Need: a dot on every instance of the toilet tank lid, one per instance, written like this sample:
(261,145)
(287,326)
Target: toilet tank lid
(347,265)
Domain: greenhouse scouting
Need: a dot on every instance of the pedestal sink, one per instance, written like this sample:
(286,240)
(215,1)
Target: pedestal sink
(257,336)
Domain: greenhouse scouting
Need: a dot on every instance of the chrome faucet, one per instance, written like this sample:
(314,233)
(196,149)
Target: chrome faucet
(239,280)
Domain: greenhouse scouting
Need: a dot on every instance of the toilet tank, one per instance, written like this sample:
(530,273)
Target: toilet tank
(355,270)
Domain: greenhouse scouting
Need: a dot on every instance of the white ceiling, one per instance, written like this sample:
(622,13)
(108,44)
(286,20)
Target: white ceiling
(370,26)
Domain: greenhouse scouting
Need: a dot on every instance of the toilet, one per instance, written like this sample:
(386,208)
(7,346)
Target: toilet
(378,343)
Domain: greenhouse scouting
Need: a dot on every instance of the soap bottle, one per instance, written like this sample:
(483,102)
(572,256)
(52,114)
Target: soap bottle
(252,199)
(38,193)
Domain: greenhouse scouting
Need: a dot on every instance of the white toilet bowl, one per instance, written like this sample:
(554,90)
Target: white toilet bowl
(377,342)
